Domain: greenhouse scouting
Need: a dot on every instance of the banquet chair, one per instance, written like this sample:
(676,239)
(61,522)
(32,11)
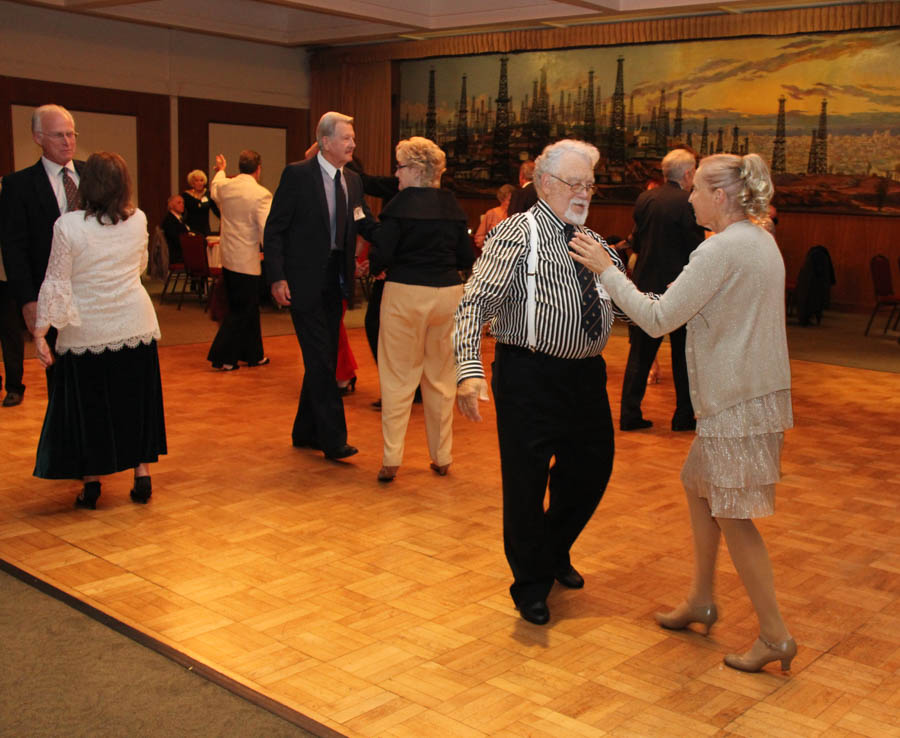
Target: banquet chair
(884,290)
(161,267)
(199,275)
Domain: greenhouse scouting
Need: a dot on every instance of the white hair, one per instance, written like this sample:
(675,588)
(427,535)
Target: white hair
(327,124)
(549,160)
(37,118)
(677,163)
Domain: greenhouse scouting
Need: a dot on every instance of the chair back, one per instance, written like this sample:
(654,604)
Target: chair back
(881,276)
(193,249)
(158,258)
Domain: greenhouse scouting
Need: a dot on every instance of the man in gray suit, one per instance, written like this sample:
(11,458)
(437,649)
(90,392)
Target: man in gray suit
(30,202)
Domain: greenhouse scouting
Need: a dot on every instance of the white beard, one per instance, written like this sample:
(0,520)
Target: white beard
(577,218)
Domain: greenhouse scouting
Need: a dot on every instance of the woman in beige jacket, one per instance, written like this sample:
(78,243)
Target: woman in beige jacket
(731,295)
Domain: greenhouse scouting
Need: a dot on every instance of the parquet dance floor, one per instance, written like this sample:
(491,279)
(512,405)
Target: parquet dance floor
(382,610)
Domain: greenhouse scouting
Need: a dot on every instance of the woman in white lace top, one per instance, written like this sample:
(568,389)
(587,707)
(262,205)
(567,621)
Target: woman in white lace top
(105,409)
(731,295)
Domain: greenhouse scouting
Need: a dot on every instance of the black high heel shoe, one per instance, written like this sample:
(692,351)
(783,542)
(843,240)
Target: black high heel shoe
(142,490)
(349,387)
(89,496)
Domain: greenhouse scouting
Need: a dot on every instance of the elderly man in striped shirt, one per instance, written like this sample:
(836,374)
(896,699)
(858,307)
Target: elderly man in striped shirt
(551,320)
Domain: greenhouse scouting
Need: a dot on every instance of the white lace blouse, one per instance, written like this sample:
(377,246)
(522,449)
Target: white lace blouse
(92,291)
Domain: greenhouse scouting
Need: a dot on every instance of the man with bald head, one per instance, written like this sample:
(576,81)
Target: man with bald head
(30,202)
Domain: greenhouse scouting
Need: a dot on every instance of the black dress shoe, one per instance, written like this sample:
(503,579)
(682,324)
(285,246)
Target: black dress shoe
(12,399)
(342,452)
(639,424)
(537,612)
(142,490)
(89,496)
(684,425)
(570,578)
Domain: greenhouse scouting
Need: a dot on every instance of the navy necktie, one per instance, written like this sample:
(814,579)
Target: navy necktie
(340,211)
(591,315)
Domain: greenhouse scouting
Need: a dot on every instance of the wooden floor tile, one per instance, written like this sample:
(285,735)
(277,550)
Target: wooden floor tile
(383,609)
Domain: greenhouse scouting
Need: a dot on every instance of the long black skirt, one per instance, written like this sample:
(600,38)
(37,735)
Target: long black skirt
(105,414)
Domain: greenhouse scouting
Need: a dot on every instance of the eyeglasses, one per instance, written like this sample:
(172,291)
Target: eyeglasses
(576,187)
(61,136)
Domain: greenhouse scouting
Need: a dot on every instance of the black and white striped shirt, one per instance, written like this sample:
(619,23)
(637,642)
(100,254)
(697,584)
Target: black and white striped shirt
(496,292)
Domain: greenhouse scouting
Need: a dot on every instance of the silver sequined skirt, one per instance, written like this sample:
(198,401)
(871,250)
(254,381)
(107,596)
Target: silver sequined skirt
(735,459)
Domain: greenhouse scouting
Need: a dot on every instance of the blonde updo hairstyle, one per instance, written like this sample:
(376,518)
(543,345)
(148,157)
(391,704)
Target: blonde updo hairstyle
(745,180)
(196,174)
(426,158)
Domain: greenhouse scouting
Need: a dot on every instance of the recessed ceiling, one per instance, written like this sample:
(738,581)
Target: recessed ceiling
(334,22)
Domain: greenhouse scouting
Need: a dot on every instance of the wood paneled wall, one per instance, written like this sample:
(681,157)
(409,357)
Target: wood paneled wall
(151,112)
(195,115)
(363,81)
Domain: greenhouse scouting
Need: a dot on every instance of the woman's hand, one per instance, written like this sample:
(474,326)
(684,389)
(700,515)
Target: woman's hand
(43,351)
(585,250)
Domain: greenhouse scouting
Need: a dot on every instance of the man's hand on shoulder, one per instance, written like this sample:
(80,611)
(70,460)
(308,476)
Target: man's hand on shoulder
(468,394)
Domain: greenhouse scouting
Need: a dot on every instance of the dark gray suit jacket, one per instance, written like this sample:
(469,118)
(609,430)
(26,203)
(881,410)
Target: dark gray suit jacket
(297,237)
(28,210)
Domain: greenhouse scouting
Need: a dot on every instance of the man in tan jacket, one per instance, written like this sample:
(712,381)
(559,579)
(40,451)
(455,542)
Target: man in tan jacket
(244,204)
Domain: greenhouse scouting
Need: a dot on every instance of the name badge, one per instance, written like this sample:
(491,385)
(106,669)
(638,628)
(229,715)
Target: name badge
(358,213)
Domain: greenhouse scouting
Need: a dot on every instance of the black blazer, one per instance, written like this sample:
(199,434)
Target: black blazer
(172,229)
(28,210)
(297,237)
(665,234)
(522,199)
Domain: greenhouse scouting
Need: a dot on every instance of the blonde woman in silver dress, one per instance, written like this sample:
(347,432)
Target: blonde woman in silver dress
(731,295)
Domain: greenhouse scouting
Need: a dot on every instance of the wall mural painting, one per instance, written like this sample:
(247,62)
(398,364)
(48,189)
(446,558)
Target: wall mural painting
(823,110)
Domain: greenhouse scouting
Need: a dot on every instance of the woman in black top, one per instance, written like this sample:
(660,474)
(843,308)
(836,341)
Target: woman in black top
(422,242)
(198,203)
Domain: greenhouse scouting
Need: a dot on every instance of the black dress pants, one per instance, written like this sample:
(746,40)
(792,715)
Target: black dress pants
(640,358)
(320,417)
(549,409)
(12,340)
(240,335)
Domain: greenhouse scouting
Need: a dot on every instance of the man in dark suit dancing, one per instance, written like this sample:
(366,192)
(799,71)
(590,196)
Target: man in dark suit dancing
(30,202)
(665,234)
(310,244)
(523,198)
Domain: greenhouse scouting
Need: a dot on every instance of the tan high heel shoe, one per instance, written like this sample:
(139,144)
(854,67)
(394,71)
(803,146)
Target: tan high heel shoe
(765,653)
(685,614)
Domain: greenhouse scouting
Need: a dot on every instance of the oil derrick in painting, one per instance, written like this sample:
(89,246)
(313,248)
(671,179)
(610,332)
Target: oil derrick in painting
(461,147)
(822,141)
(779,162)
(500,169)
(735,141)
(704,137)
(541,129)
(811,160)
(431,114)
(590,122)
(616,151)
(631,120)
(679,119)
(720,141)
(818,146)
(662,125)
